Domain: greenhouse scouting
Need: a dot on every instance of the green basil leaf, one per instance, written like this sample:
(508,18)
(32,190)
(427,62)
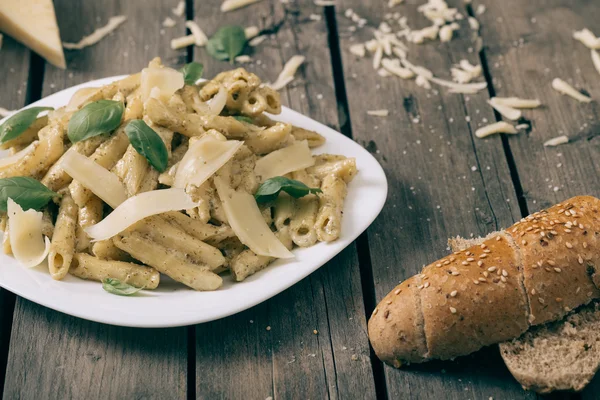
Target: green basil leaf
(115,286)
(25,191)
(18,123)
(270,189)
(94,119)
(192,72)
(227,43)
(243,118)
(148,143)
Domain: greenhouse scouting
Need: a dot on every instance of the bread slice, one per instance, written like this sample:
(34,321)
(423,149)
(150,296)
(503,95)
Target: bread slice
(563,355)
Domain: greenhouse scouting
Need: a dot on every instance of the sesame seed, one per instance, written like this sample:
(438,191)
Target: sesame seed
(385,315)
(524,242)
(579,259)
(475,281)
(540,264)
(559,299)
(503,279)
(426,285)
(485,273)
(480,263)
(578,290)
(455,273)
(568,230)
(551,263)
(438,265)
(452,259)
(581,226)
(541,300)
(483,245)
(498,238)
(446,262)
(465,263)
(529,228)
(453,293)
(268,328)
(569,245)
(420,287)
(375,311)
(388,302)
(453,310)
(470,259)
(482,280)
(542,234)
(533,292)
(556,269)
(504,273)
(397,292)
(491,269)
(487,251)
(483,256)
(547,269)
(554,232)
(585,245)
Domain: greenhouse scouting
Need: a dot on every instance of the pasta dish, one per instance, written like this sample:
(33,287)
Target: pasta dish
(162,173)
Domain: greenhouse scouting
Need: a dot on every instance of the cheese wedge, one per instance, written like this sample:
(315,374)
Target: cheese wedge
(33,23)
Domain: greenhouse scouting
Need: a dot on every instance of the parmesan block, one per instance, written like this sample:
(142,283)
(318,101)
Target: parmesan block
(284,161)
(33,23)
(28,244)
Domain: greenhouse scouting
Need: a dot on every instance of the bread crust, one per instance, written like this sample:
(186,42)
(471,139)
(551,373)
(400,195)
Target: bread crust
(461,303)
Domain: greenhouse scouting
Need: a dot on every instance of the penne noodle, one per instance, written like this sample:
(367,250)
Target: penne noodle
(329,217)
(62,248)
(106,250)
(90,214)
(92,268)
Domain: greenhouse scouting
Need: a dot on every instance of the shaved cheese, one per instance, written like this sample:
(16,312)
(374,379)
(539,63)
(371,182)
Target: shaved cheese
(393,3)
(557,141)
(586,37)
(379,113)
(167,80)
(446,33)
(506,111)
(217,103)
(181,42)
(288,72)
(498,127)
(419,36)
(200,38)
(169,22)
(80,97)
(28,244)
(230,5)
(563,87)
(467,66)
(180,9)
(466,73)
(6,161)
(257,40)
(421,81)
(138,207)
(358,50)
(93,176)
(523,126)
(204,157)
(97,35)
(460,87)
(372,45)
(393,66)
(596,60)
(516,102)
(284,161)
(243,59)
(417,69)
(383,73)
(5,113)
(247,222)
(324,3)
(377,57)
(473,23)
(251,32)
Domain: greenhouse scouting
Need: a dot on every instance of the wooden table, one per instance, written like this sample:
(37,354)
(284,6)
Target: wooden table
(443,182)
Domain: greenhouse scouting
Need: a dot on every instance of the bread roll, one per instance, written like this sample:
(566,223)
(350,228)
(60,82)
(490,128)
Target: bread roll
(535,271)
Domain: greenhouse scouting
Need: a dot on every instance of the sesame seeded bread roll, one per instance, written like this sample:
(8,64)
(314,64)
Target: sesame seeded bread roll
(491,292)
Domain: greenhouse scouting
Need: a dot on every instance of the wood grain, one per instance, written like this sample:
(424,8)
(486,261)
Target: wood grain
(443,182)
(289,360)
(64,357)
(527,46)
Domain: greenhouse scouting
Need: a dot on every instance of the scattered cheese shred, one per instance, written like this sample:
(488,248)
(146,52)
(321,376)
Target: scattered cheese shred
(93,176)
(203,158)
(358,50)
(288,72)
(557,141)
(98,34)
(28,244)
(181,42)
(243,59)
(230,5)
(200,38)
(138,207)
(446,33)
(564,88)
(586,37)
(180,9)
(169,22)
(284,161)
(506,111)
(379,113)
(498,127)
(460,87)
(10,160)
(257,40)
(324,3)
(247,222)
(394,67)
(596,60)
(516,102)
(251,32)
(473,23)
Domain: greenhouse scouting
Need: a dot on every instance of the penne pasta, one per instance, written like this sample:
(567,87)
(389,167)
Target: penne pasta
(62,248)
(329,217)
(106,250)
(92,268)
(88,215)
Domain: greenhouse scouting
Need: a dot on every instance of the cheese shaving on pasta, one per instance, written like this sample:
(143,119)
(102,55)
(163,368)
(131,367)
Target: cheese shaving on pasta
(99,180)
(167,80)
(29,246)
(80,97)
(97,35)
(284,161)
(137,208)
(564,88)
(204,157)
(10,160)
(247,222)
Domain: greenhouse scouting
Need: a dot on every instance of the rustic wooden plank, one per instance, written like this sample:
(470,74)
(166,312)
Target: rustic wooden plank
(443,182)
(84,359)
(289,360)
(528,45)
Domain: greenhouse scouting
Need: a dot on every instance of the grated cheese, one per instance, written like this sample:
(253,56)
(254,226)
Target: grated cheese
(473,23)
(377,57)
(287,74)
(393,3)
(596,60)
(419,36)
(480,9)
(358,50)
(504,110)
(138,207)
(498,127)
(97,35)
(446,33)
(586,37)
(556,141)
(394,67)
(383,73)
(180,9)
(230,5)
(564,88)
(283,161)
(243,59)
(181,42)
(200,38)
(379,113)
(421,81)
(516,102)
(324,3)
(251,32)
(169,22)
(29,246)
(257,40)
(469,88)
(522,126)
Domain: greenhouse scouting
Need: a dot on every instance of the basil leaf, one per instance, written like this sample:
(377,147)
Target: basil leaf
(18,123)
(270,189)
(25,191)
(227,43)
(114,286)
(192,72)
(243,118)
(148,143)
(95,119)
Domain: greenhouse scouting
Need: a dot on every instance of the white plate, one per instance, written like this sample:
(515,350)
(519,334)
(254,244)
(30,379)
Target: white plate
(175,305)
